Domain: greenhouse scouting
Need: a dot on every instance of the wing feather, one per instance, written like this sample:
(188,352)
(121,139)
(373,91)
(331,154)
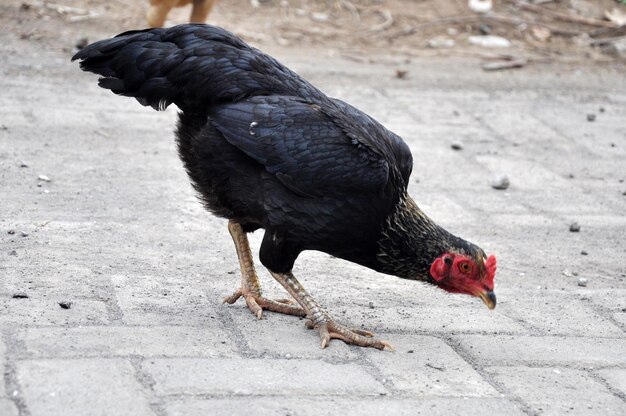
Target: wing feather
(301,145)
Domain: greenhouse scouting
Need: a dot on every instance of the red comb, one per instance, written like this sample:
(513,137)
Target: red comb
(490,265)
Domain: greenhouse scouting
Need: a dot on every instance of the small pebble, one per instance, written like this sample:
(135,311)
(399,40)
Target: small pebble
(319,16)
(601,109)
(484,29)
(456,146)
(65,304)
(591,117)
(81,43)
(410,351)
(23,165)
(401,73)
(574,227)
(441,42)
(44,178)
(582,282)
(500,182)
(371,305)
(20,295)
(11,232)
(24,234)
(12,253)
(584,253)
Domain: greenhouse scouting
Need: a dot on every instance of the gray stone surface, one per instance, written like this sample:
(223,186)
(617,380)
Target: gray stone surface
(2,365)
(20,312)
(427,367)
(8,408)
(285,337)
(616,377)
(330,405)
(575,351)
(261,377)
(112,341)
(81,387)
(577,392)
(119,233)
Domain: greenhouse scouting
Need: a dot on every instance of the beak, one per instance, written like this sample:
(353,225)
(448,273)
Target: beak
(489,298)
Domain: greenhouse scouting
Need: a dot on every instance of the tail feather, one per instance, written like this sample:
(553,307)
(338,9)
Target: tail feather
(192,66)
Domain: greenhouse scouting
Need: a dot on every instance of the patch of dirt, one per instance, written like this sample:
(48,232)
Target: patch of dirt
(567,30)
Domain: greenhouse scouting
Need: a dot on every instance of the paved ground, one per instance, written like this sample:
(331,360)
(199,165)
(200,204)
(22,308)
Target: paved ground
(119,234)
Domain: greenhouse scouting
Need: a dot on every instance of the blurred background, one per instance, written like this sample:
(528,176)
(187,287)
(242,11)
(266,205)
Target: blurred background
(502,33)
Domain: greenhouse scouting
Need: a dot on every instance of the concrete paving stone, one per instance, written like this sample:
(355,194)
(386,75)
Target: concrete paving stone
(436,112)
(602,221)
(111,341)
(48,117)
(558,391)
(616,377)
(520,126)
(552,350)
(524,175)
(440,161)
(451,316)
(423,139)
(432,369)
(596,137)
(82,387)
(511,221)
(47,312)
(442,209)
(3,353)
(284,336)
(621,318)
(158,300)
(260,376)
(566,204)
(8,408)
(554,313)
(613,300)
(41,279)
(496,202)
(329,405)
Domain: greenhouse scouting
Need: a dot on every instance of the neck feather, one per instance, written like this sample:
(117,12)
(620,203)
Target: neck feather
(411,241)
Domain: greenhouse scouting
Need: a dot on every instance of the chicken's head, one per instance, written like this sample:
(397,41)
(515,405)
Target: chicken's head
(461,273)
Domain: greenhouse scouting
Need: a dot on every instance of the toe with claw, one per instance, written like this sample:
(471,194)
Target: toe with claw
(257,303)
(328,330)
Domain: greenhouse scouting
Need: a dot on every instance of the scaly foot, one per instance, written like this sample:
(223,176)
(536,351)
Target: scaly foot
(329,329)
(257,303)
(319,319)
(250,286)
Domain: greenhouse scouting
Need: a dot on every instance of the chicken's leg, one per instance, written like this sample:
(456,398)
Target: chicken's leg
(201,10)
(250,287)
(320,320)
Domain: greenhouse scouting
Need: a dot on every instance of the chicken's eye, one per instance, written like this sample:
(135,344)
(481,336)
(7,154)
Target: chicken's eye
(465,267)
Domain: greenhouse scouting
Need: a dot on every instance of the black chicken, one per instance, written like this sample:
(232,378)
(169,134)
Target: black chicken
(266,149)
